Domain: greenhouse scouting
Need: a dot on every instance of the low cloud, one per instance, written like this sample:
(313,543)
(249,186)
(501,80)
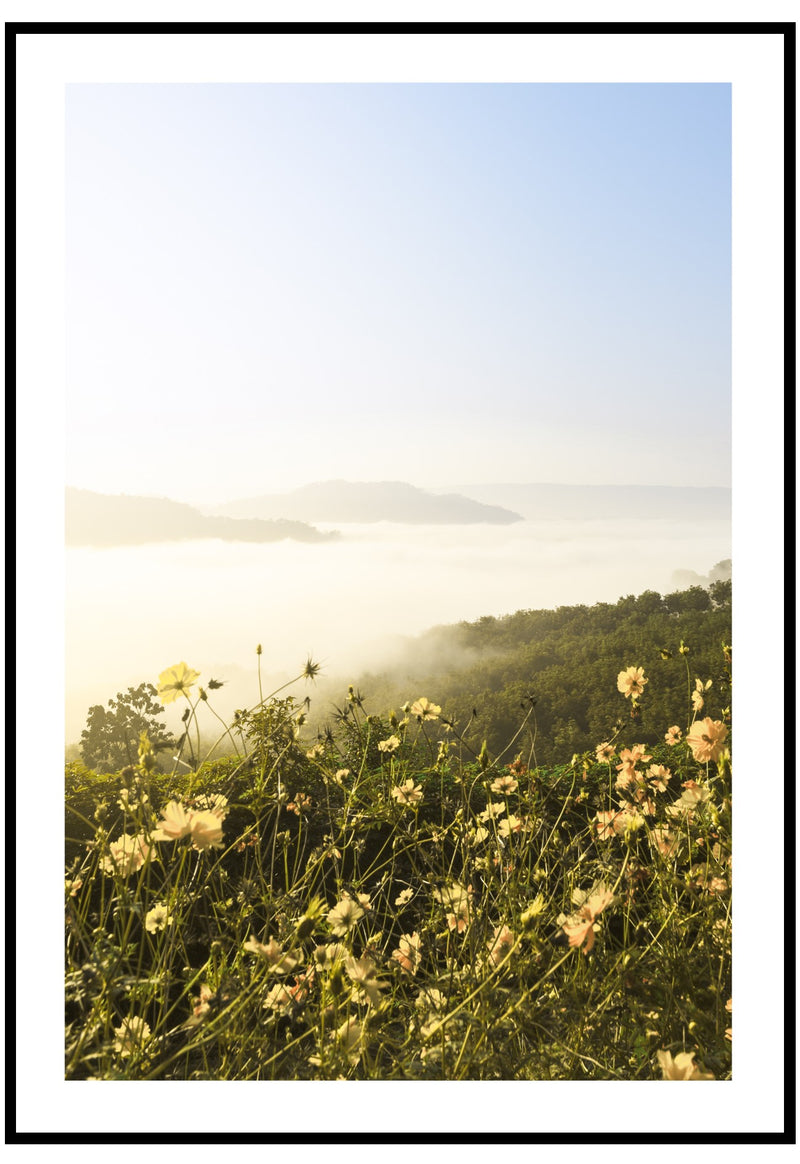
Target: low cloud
(352,604)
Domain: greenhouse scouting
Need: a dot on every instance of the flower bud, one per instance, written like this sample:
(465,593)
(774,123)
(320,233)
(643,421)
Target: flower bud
(336,981)
(305,928)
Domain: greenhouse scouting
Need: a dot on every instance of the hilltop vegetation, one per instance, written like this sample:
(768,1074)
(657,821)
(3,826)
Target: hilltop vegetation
(484,673)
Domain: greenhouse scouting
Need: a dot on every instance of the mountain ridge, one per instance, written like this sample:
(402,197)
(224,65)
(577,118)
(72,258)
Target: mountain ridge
(104,520)
(370,501)
(553,501)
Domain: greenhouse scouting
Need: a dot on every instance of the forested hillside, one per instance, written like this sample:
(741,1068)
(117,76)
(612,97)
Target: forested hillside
(485,674)
(368,905)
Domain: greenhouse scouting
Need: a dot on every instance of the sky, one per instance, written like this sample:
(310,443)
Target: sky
(274,284)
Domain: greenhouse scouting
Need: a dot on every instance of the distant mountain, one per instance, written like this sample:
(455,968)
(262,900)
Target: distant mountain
(98,519)
(588,502)
(351,501)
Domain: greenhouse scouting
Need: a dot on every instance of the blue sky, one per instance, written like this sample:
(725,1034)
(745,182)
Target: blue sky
(275,284)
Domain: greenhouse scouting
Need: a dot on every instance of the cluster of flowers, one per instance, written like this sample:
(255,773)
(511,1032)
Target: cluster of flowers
(422,709)
(299,974)
(202,822)
(705,739)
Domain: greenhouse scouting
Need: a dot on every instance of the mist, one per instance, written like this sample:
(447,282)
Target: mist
(351,604)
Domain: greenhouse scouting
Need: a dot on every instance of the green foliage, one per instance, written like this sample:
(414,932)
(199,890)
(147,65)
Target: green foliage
(270,731)
(388,904)
(111,737)
(485,673)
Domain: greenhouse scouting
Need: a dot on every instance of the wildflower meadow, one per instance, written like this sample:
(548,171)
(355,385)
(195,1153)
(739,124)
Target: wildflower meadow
(385,898)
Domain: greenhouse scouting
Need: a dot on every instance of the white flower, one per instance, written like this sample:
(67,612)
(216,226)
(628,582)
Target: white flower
(424,709)
(389,745)
(157,918)
(682,1066)
(217,805)
(344,916)
(705,737)
(454,896)
(279,998)
(126,855)
(206,831)
(512,824)
(361,971)
(693,794)
(631,682)
(407,793)
(273,953)
(500,944)
(408,953)
(131,1036)
(176,822)
(457,901)
(493,808)
(348,1040)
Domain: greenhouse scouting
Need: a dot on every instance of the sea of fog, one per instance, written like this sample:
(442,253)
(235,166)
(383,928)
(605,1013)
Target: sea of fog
(133,611)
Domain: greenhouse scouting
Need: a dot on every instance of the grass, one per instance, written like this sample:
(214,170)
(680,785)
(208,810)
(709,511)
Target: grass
(387,903)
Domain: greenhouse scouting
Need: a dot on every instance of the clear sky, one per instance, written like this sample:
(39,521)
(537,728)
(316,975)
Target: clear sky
(276,284)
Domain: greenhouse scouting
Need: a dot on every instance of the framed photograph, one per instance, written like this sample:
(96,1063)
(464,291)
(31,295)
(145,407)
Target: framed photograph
(400,461)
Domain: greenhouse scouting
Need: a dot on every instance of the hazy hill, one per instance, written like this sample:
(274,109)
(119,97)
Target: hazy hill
(98,519)
(351,501)
(587,502)
(485,672)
